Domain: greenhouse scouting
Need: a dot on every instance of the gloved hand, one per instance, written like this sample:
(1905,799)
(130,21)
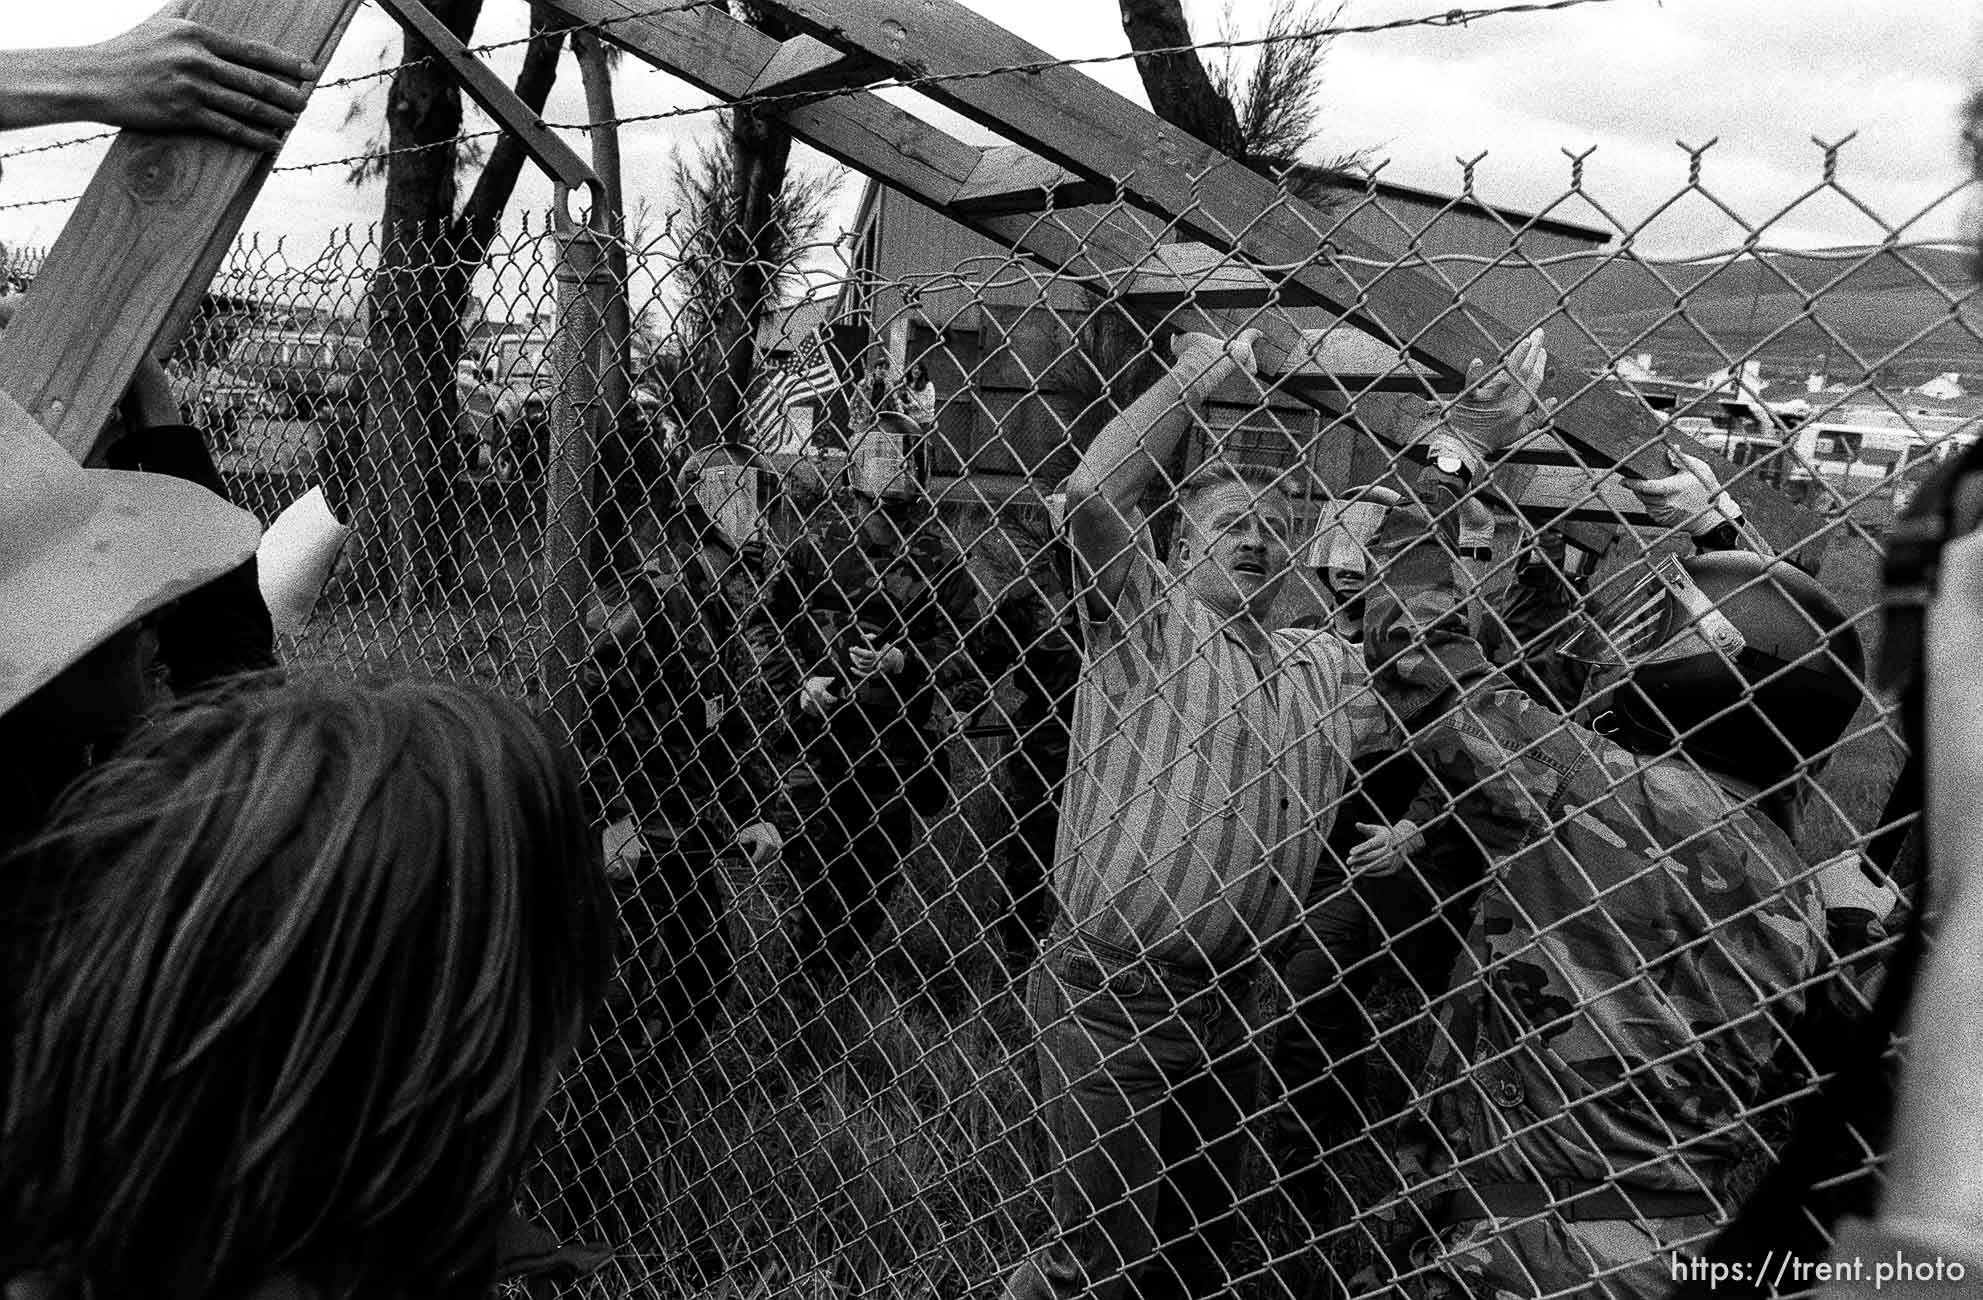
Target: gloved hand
(1385,848)
(1690,498)
(1496,408)
(816,696)
(760,842)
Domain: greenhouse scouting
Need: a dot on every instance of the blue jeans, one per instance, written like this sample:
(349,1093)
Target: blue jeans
(1148,1077)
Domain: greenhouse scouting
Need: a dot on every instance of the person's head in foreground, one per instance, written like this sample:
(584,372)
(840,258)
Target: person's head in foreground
(86,556)
(307,961)
(1232,546)
(1744,663)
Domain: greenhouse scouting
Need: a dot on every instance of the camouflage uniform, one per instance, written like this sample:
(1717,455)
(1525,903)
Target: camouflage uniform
(874,757)
(1537,615)
(1635,961)
(1029,636)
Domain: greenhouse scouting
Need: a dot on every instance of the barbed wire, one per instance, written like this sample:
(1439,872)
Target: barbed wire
(341,83)
(1447,18)
(1456,17)
(38,203)
(380,155)
(53,145)
(559,33)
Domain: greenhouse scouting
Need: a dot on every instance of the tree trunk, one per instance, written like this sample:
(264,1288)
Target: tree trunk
(761,147)
(404,468)
(482,215)
(1181,91)
(415,330)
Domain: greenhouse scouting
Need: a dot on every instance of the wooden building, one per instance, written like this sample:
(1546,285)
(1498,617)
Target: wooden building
(1018,353)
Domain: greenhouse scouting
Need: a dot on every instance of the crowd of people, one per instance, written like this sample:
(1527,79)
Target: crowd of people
(1566,819)
(296,965)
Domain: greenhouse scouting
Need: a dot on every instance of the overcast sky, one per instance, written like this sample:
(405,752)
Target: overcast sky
(1629,77)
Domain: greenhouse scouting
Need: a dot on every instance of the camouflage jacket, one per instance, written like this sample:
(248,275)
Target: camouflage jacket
(916,596)
(1643,941)
(1537,615)
(690,723)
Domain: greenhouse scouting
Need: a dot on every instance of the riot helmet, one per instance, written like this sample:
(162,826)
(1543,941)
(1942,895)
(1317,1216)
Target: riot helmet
(1745,663)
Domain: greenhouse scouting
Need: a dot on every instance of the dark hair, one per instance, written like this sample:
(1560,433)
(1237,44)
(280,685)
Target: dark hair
(315,956)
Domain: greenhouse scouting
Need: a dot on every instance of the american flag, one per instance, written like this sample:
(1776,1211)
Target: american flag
(807,377)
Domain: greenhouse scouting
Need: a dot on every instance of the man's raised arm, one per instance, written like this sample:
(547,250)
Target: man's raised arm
(165,74)
(1102,493)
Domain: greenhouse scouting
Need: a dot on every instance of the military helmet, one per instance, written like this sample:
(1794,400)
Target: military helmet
(1746,663)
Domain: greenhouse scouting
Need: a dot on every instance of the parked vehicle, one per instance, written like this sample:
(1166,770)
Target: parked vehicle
(507,393)
(1863,458)
(222,402)
(303,368)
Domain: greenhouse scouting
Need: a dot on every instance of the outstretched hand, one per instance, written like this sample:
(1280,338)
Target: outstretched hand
(172,74)
(1496,408)
(817,697)
(1501,399)
(1385,848)
(867,661)
(1690,498)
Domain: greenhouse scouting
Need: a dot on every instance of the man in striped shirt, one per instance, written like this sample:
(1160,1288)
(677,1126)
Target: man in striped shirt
(1208,754)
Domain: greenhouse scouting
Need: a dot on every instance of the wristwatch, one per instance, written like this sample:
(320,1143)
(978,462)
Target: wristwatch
(1446,462)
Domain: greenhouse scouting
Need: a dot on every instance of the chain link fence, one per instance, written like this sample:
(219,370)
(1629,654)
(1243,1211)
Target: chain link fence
(944,964)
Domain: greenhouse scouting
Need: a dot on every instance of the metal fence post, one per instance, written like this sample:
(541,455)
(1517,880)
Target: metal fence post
(584,278)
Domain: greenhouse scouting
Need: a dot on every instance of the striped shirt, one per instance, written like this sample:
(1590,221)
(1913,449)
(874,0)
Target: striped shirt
(1204,775)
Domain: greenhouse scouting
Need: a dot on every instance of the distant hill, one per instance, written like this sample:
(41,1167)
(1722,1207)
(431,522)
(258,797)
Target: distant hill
(1902,316)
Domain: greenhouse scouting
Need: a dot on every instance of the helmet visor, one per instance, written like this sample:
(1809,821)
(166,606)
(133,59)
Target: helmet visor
(1660,614)
(1629,620)
(1654,617)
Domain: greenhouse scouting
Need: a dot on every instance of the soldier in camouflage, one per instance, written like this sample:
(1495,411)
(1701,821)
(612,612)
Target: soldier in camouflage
(1646,934)
(883,602)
